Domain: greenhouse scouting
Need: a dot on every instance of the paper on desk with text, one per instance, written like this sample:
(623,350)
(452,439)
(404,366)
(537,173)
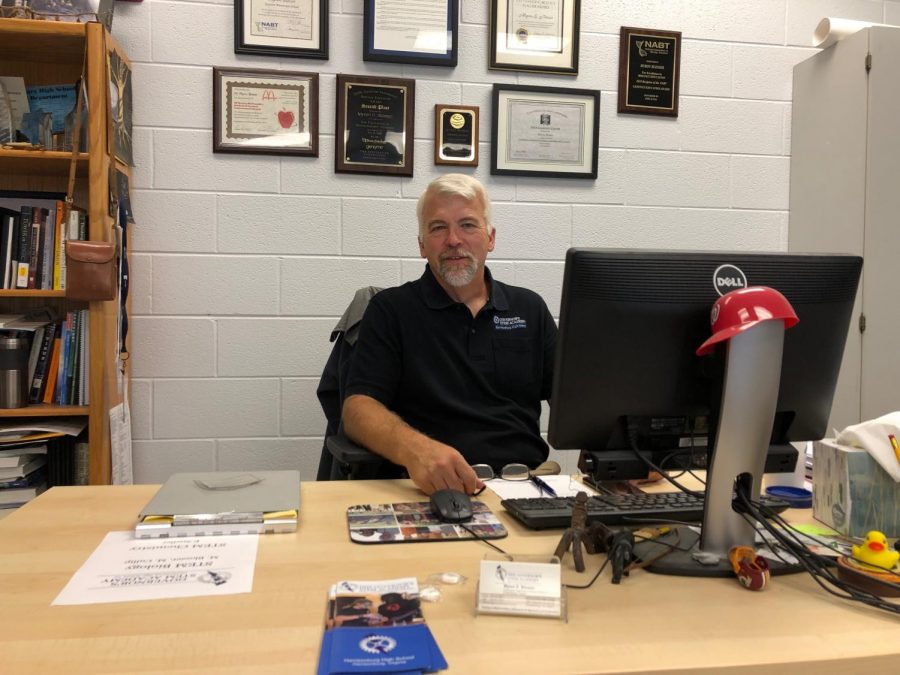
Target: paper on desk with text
(520,588)
(123,568)
(563,485)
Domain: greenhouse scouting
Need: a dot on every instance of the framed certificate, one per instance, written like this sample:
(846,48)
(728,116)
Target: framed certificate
(649,70)
(535,35)
(268,112)
(456,134)
(424,32)
(549,132)
(375,125)
(281,28)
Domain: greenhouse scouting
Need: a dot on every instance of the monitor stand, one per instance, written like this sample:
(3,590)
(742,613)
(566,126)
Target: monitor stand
(749,398)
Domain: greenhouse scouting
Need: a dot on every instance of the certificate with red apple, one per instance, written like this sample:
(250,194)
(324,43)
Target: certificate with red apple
(262,111)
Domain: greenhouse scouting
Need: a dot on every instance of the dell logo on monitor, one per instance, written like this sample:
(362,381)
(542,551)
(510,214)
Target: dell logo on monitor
(728,278)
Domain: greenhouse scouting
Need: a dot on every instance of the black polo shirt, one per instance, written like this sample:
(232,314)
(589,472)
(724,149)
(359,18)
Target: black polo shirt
(473,383)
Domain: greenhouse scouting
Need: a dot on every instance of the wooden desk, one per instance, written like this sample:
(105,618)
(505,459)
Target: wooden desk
(648,623)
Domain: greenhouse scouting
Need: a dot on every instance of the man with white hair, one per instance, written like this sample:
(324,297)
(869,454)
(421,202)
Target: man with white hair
(450,369)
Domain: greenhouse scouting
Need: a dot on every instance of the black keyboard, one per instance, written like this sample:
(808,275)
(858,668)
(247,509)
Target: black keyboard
(541,513)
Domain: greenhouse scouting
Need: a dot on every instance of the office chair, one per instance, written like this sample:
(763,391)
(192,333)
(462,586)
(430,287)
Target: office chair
(341,458)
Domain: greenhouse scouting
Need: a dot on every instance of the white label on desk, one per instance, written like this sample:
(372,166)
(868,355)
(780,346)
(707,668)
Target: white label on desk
(519,588)
(120,444)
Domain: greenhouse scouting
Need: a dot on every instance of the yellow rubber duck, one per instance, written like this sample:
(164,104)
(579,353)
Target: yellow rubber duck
(875,551)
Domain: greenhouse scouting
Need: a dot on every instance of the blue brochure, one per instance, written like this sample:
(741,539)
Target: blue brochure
(386,649)
(377,627)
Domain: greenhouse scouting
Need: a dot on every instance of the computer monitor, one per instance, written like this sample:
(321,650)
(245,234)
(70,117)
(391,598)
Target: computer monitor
(631,321)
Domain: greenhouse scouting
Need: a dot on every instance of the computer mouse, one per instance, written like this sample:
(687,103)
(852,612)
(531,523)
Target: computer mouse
(451,506)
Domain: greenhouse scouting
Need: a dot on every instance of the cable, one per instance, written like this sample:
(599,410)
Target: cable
(817,566)
(591,582)
(632,442)
(482,539)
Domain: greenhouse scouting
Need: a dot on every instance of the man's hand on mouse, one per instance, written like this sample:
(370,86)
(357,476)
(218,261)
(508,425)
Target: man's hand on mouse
(441,467)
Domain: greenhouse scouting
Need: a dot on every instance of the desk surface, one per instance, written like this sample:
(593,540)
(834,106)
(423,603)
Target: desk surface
(648,623)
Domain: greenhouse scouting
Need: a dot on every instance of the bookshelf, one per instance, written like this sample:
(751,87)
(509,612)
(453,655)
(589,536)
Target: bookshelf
(46,53)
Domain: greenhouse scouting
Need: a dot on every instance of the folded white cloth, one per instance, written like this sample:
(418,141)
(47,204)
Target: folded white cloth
(874,437)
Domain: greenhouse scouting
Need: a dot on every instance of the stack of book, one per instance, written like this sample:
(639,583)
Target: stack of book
(23,474)
(58,370)
(58,367)
(36,454)
(33,242)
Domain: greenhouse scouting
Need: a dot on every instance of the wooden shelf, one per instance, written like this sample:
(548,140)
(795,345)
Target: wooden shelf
(52,53)
(42,41)
(45,410)
(31,293)
(44,162)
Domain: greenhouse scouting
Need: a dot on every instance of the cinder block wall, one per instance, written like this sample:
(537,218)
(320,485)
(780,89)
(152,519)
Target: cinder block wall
(242,264)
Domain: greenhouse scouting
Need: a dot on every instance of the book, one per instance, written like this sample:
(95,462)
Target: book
(16,449)
(37,340)
(42,367)
(24,248)
(49,383)
(32,479)
(72,361)
(38,216)
(59,396)
(11,473)
(59,250)
(19,496)
(9,223)
(48,254)
(12,461)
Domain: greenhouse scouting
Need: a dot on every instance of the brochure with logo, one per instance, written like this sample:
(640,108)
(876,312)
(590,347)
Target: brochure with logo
(377,627)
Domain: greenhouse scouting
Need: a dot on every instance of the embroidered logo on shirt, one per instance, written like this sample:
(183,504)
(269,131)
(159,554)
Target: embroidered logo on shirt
(509,322)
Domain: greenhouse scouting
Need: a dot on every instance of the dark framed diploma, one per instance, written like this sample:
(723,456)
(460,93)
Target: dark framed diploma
(375,125)
(423,32)
(456,134)
(296,28)
(649,71)
(548,132)
(535,35)
(266,112)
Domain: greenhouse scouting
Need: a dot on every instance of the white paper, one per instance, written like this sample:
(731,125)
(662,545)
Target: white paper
(563,486)
(832,29)
(18,98)
(520,588)
(120,444)
(123,569)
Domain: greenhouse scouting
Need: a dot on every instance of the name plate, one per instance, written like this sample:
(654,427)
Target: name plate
(527,588)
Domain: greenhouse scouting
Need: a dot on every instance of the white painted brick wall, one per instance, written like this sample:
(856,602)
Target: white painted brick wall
(242,264)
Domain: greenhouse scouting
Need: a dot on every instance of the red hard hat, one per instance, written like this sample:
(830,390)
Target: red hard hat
(739,310)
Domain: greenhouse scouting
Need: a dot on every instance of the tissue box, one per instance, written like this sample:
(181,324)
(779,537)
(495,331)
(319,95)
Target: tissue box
(852,493)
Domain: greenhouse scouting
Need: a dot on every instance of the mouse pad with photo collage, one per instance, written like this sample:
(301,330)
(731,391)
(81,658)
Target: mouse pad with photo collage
(413,521)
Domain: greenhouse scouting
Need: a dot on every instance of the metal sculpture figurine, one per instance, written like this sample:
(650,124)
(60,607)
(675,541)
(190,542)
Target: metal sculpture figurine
(576,536)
